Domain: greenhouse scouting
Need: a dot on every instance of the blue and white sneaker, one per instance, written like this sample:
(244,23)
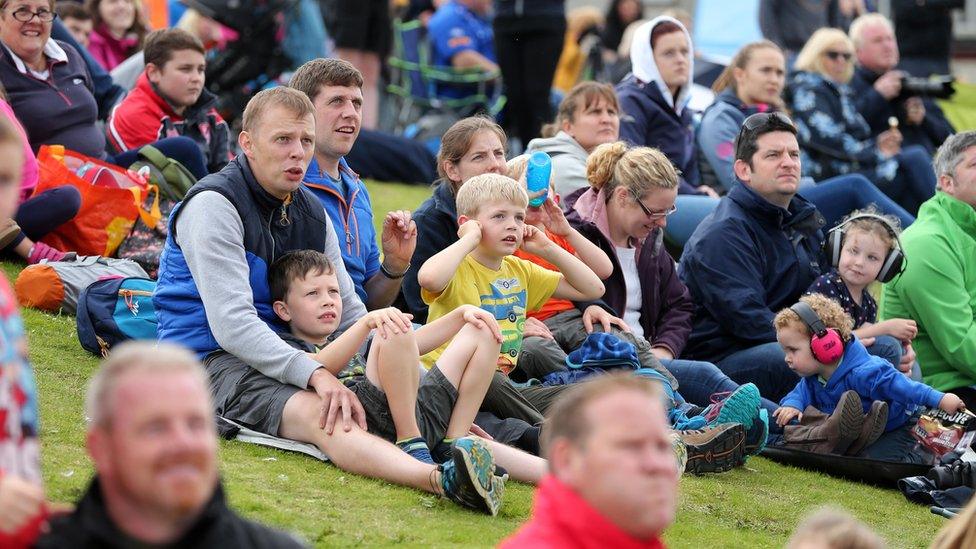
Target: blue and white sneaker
(468,479)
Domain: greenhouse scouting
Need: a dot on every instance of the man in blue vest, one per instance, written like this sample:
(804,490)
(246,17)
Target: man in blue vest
(335,88)
(213,297)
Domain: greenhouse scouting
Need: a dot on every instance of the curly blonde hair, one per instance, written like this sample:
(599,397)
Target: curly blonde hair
(637,169)
(829,311)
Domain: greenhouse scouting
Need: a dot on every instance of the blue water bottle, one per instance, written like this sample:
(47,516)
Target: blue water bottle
(537,177)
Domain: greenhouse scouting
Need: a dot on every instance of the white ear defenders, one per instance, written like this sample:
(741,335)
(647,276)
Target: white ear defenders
(894,262)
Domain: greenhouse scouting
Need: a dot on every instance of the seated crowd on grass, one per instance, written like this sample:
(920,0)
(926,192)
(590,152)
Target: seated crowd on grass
(418,355)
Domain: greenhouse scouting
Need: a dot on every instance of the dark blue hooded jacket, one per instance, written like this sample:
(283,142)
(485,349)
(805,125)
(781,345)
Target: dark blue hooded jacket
(747,260)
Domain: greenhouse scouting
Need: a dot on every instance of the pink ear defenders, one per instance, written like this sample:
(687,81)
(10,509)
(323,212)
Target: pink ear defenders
(825,343)
(894,262)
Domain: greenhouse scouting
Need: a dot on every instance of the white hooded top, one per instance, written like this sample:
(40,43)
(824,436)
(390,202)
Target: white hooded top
(644,68)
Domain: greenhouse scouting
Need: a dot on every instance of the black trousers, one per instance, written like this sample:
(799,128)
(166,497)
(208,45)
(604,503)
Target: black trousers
(528,60)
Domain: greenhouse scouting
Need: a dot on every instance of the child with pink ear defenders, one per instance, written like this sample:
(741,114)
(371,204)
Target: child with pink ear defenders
(846,398)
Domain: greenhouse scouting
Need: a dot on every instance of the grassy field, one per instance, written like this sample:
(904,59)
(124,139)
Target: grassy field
(754,506)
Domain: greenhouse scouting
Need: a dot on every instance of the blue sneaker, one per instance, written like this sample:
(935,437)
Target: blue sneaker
(740,406)
(469,478)
(757,434)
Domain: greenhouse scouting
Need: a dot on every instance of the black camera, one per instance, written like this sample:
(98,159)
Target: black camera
(938,87)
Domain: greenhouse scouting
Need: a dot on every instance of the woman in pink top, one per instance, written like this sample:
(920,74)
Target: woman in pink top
(119,31)
(36,215)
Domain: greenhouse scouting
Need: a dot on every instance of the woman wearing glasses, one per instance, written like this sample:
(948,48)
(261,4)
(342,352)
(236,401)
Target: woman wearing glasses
(836,139)
(632,192)
(49,88)
(753,83)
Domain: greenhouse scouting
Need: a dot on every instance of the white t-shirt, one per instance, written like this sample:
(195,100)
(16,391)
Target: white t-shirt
(632,311)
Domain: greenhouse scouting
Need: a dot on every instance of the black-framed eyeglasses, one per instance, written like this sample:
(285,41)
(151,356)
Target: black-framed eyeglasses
(651,213)
(835,55)
(25,15)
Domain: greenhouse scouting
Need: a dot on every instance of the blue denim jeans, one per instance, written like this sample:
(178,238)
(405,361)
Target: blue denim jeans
(888,348)
(691,210)
(698,381)
(838,196)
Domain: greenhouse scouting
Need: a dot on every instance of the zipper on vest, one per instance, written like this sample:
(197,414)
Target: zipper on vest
(271,235)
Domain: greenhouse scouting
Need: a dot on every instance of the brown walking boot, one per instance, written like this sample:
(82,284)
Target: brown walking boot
(875,422)
(824,434)
(714,449)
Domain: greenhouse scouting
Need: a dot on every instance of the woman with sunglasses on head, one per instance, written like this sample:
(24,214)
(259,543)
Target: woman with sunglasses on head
(753,83)
(837,140)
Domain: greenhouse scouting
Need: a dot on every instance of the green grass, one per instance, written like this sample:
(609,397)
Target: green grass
(755,506)
(961,109)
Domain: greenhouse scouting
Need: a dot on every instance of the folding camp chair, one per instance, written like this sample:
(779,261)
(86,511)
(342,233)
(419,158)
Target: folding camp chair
(415,81)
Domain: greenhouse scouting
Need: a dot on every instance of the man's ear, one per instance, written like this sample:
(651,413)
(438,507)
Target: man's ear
(281,309)
(945,183)
(560,456)
(742,170)
(247,146)
(96,443)
(153,72)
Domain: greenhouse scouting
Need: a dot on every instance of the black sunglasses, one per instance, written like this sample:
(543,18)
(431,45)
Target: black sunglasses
(835,55)
(774,119)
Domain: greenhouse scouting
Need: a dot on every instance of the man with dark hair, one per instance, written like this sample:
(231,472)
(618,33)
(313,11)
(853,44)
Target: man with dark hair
(335,88)
(155,461)
(613,478)
(170,99)
(77,20)
(213,297)
(938,287)
(754,255)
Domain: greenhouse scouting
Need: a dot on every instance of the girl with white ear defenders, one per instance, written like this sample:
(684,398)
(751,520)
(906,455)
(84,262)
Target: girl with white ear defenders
(862,249)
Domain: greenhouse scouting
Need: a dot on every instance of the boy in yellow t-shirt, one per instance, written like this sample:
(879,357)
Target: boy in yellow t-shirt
(480,268)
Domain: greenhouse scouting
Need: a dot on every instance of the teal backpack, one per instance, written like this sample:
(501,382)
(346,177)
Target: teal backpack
(172,178)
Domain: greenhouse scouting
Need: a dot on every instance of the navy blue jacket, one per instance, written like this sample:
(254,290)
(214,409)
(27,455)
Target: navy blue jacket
(437,229)
(271,228)
(648,121)
(876,110)
(747,260)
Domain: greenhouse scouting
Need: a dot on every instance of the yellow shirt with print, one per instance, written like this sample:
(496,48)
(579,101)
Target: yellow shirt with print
(518,286)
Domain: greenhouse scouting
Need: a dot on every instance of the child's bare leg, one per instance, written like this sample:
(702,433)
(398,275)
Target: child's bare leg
(392,365)
(468,363)
(522,466)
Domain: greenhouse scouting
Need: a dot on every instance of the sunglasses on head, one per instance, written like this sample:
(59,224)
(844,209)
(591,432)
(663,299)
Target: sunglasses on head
(766,119)
(835,55)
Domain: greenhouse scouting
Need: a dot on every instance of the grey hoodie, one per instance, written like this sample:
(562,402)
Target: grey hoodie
(568,161)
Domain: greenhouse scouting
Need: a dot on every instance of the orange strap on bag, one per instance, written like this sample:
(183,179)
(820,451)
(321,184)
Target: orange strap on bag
(111,200)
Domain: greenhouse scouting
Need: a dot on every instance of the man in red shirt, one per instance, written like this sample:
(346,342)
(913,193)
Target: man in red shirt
(613,478)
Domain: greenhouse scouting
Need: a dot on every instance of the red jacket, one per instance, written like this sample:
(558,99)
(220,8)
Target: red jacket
(144,117)
(561,518)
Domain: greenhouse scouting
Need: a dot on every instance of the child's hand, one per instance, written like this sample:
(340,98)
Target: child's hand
(481,319)
(951,403)
(785,414)
(902,328)
(470,227)
(557,220)
(534,241)
(388,321)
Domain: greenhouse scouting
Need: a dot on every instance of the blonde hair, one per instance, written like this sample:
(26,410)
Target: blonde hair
(874,226)
(739,61)
(830,528)
(489,187)
(292,100)
(960,532)
(457,140)
(810,58)
(638,169)
(860,24)
(136,357)
(829,311)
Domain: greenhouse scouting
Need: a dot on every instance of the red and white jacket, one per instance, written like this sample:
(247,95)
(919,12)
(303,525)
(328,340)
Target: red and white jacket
(144,117)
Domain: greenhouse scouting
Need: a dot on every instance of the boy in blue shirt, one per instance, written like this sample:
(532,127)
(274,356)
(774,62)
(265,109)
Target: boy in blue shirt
(841,380)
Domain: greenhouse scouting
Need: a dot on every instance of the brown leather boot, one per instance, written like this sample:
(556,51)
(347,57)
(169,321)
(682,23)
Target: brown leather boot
(828,435)
(874,426)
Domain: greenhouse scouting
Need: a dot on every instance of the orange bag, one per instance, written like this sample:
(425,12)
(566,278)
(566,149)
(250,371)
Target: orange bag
(111,201)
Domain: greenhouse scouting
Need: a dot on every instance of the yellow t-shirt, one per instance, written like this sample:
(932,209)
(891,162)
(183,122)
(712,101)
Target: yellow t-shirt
(518,286)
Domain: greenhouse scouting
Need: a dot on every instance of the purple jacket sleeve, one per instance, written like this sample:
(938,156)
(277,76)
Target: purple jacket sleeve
(672,324)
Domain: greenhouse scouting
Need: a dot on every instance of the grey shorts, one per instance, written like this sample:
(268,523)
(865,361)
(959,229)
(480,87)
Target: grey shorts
(436,397)
(245,395)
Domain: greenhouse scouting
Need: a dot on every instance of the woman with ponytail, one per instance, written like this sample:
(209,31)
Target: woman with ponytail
(632,192)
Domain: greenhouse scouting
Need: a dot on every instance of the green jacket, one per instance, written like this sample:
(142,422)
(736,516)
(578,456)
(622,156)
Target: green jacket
(938,290)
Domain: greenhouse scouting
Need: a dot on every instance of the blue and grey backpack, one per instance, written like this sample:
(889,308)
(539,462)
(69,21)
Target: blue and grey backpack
(114,310)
